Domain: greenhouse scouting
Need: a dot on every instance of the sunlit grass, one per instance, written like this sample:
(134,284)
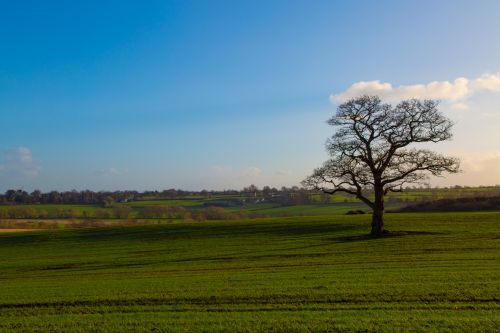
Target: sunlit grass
(439,272)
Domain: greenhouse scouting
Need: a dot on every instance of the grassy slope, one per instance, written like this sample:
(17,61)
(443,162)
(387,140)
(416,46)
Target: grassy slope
(287,274)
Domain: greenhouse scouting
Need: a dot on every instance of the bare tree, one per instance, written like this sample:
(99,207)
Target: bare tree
(370,153)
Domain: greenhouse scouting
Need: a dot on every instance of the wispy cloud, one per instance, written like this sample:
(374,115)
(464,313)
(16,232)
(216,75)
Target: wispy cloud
(110,172)
(19,162)
(230,177)
(480,168)
(284,172)
(456,92)
(250,173)
(482,162)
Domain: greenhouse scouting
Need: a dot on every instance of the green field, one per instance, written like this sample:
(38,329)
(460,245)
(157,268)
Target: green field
(274,210)
(440,272)
(267,209)
(337,204)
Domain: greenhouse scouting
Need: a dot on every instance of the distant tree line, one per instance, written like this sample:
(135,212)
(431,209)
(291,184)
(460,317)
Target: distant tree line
(285,195)
(66,197)
(108,198)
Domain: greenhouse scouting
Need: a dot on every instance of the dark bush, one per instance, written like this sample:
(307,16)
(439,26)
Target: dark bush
(355,212)
(455,205)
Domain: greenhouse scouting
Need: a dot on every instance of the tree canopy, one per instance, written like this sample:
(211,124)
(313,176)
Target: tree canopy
(371,149)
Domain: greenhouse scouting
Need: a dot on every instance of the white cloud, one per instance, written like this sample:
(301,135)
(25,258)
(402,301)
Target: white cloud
(456,92)
(488,82)
(19,162)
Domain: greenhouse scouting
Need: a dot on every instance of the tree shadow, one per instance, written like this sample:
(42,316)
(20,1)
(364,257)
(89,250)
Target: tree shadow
(387,234)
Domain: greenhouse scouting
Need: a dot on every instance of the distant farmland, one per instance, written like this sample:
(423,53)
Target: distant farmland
(253,206)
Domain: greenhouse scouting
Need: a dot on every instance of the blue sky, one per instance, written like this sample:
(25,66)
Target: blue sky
(222,94)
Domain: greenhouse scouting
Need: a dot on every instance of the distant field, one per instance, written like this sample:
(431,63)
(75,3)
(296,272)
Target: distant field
(166,202)
(306,210)
(440,273)
(53,210)
(338,204)
(261,208)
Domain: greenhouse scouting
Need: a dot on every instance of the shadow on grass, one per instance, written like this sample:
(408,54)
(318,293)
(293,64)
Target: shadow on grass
(213,230)
(387,234)
(178,231)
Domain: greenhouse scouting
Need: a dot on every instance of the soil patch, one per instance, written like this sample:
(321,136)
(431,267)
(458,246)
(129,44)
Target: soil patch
(15,230)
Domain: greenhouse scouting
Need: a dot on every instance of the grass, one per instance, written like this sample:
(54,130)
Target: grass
(439,272)
(166,202)
(265,209)
(274,210)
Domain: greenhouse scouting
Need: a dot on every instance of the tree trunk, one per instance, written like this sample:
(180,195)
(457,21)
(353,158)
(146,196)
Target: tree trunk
(378,213)
(377,222)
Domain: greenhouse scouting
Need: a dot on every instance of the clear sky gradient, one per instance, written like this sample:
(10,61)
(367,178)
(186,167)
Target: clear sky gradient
(109,95)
